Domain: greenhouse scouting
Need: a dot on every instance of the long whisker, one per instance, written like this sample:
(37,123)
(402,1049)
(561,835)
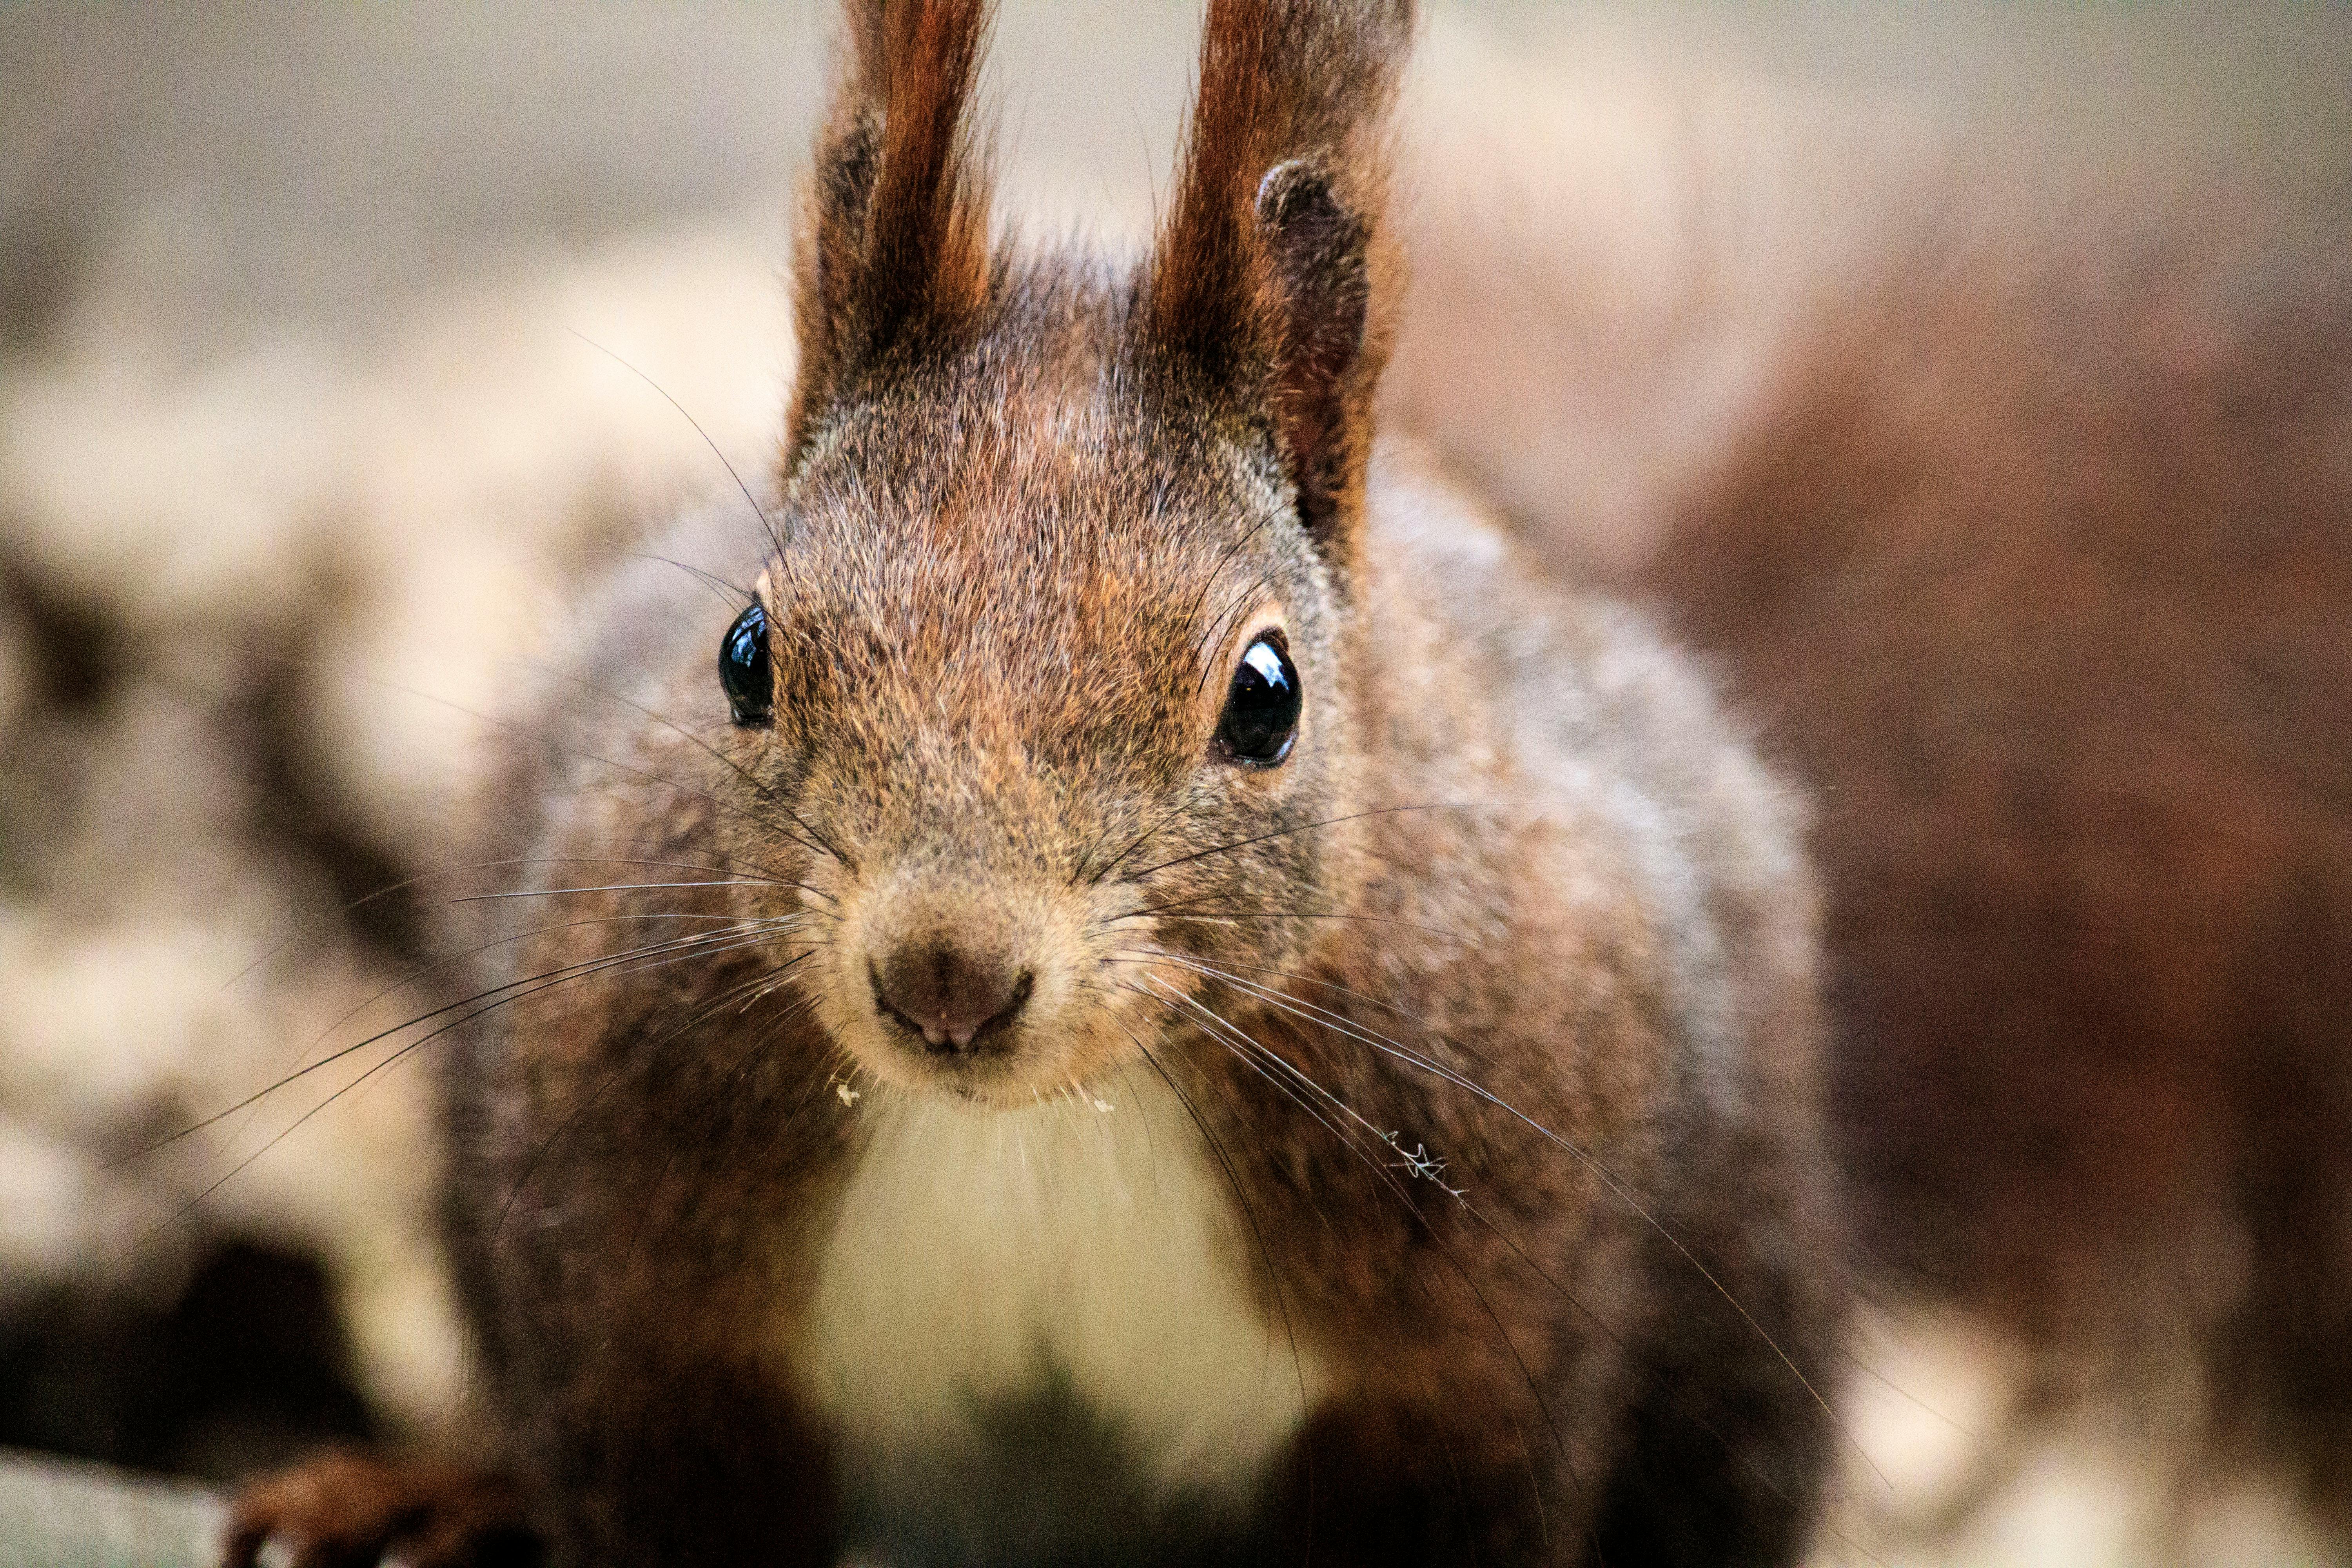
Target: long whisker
(1223,965)
(1179,912)
(1203,1013)
(1334,1021)
(572,971)
(1226,1033)
(733,594)
(1183,1009)
(401,1053)
(1584,1309)
(1287,832)
(1146,837)
(749,991)
(1299,1007)
(456,867)
(746,995)
(586,756)
(402,983)
(767,525)
(1217,630)
(1626,1195)
(808,835)
(1232,1179)
(547,739)
(609,888)
(1209,579)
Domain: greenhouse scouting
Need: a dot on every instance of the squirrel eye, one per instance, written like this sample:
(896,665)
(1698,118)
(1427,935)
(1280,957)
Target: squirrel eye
(1261,716)
(743,669)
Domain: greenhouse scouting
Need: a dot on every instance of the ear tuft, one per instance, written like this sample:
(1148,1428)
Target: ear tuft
(892,257)
(1269,279)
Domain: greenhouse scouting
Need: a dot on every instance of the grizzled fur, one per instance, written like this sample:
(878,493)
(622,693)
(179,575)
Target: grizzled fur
(1491,1008)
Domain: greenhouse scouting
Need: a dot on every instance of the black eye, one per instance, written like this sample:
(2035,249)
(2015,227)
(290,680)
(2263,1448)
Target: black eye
(1261,716)
(743,668)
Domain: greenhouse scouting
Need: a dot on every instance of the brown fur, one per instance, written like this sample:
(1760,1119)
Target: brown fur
(892,262)
(1264,279)
(1494,1002)
(2088,541)
(2035,561)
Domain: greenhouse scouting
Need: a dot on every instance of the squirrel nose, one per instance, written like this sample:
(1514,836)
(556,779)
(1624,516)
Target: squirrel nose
(948,995)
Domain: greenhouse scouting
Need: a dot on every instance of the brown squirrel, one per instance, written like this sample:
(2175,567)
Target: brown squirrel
(1167,1001)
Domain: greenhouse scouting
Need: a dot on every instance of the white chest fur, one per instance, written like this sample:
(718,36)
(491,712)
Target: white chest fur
(978,1255)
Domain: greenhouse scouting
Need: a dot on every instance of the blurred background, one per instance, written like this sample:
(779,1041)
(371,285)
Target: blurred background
(313,408)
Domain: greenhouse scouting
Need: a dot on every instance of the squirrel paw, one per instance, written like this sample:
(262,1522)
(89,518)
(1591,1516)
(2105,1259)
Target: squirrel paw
(346,1509)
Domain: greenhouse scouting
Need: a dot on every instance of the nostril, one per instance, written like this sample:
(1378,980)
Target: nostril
(953,999)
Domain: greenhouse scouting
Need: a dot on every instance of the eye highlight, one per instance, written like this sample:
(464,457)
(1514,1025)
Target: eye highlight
(1261,717)
(743,669)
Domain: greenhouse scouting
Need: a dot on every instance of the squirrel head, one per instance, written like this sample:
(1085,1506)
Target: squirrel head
(1052,664)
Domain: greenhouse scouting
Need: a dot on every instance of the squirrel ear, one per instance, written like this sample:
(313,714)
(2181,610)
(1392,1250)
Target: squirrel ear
(892,252)
(1320,276)
(1272,274)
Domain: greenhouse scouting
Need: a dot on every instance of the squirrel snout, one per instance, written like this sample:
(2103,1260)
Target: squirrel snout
(955,998)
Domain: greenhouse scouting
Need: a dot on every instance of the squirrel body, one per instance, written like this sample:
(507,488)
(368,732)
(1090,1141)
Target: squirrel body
(1102,718)
(1167,1295)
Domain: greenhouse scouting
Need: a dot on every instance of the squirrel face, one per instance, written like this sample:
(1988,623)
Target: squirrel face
(1056,681)
(1053,626)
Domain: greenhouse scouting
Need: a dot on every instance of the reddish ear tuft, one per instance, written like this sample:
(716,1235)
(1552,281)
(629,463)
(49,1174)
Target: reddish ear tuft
(1266,283)
(925,235)
(1200,281)
(892,257)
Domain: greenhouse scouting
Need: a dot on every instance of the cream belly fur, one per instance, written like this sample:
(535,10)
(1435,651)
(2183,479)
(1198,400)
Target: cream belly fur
(982,1256)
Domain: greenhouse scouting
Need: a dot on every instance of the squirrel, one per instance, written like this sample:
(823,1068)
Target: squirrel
(1165,997)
